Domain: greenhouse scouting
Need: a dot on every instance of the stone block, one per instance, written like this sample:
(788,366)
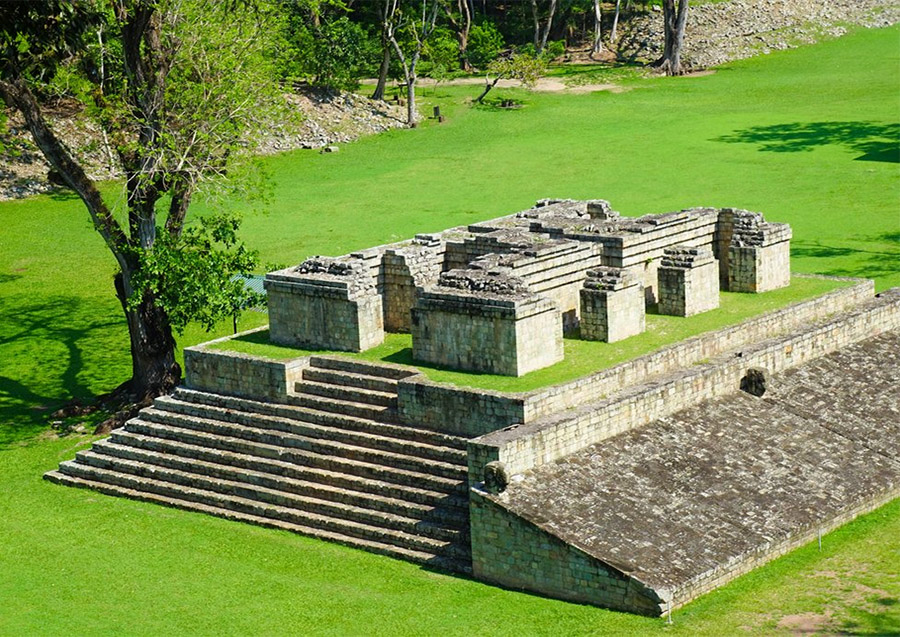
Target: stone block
(477,320)
(612,305)
(688,281)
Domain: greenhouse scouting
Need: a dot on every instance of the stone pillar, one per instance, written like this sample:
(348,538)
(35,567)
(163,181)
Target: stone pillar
(612,305)
(759,254)
(325,303)
(481,321)
(688,281)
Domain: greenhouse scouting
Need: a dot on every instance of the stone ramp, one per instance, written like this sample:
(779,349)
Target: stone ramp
(334,463)
(690,501)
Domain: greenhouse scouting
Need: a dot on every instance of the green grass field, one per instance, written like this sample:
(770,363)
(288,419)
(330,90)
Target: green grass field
(808,137)
(581,357)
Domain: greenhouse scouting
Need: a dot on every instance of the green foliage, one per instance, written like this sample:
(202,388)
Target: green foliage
(35,37)
(485,44)
(192,276)
(554,49)
(524,67)
(440,52)
(319,44)
(62,335)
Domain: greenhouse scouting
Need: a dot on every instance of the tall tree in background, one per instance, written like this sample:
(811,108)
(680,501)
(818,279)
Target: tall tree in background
(406,18)
(461,21)
(675,20)
(177,86)
(542,24)
(597,46)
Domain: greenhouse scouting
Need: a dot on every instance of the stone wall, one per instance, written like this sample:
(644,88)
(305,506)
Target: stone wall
(236,374)
(510,551)
(326,303)
(455,410)
(485,321)
(475,412)
(688,281)
(524,446)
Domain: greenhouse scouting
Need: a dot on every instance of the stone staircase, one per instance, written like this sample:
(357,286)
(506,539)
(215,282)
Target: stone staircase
(333,463)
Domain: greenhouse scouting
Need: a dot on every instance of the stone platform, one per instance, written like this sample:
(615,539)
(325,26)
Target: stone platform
(654,517)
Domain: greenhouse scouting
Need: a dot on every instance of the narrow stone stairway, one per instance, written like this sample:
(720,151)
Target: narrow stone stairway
(333,463)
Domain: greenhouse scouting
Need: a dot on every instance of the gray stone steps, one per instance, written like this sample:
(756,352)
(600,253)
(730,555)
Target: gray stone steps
(175,426)
(311,415)
(167,405)
(349,379)
(347,393)
(185,441)
(343,407)
(90,464)
(342,364)
(180,455)
(275,517)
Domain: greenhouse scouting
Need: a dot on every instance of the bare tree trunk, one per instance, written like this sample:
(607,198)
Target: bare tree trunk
(615,25)
(411,114)
(153,367)
(488,85)
(541,33)
(383,70)
(598,33)
(537,26)
(675,20)
(462,34)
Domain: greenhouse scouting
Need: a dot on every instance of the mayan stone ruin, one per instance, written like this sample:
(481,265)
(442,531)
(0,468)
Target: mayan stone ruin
(637,487)
(496,296)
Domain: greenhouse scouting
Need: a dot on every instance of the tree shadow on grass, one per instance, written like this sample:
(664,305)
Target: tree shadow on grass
(876,141)
(25,400)
(868,263)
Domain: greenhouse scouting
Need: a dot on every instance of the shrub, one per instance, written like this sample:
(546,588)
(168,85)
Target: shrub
(485,44)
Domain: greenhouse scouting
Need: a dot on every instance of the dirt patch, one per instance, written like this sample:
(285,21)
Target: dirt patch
(805,623)
(545,84)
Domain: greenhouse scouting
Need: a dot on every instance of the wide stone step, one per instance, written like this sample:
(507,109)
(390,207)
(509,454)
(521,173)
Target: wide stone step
(136,447)
(321,459)
(88,463)
(349,379)
(305,414)
(460,564)
(341,364)
(301,428)
(273,476)
(347,394)
(311,443)
(344,407)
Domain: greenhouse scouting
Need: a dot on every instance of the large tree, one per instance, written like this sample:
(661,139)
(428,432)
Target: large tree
(178,87)
(401,19)
(674,21)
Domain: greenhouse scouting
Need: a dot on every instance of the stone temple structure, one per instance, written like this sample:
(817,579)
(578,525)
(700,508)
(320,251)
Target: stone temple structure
(496,296)
(638,487)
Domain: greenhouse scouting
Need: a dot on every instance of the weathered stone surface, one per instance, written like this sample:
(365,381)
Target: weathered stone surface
(688,281)
(690,501)
(486,321)
(612,305)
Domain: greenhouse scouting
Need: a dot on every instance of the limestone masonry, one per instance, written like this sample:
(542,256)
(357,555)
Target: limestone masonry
(638,487)
(496,296)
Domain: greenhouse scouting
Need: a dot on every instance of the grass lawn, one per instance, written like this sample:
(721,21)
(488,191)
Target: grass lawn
(808,137)
(582,357)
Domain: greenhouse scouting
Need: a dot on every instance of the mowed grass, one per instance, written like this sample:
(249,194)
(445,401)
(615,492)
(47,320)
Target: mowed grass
(808,137)
(581,357)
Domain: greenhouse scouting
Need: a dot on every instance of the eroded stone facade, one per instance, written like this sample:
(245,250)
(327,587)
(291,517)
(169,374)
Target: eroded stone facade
(480,297)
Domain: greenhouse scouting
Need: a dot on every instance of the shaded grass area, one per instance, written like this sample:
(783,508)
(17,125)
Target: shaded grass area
(74,561)
(581,357)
